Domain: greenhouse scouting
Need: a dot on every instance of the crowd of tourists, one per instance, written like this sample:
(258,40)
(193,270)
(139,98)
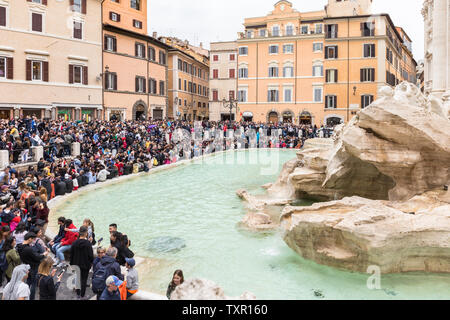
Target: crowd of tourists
(108,149)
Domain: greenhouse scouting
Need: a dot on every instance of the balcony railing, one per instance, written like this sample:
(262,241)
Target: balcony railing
(269,34)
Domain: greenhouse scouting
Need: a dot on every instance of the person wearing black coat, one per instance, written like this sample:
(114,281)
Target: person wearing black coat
(29,255)
(82,255)
(47,184)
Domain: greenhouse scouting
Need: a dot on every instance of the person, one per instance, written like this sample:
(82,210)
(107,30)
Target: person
(103,174)
(42,214)
(177,279)
(12,257)
(17,289)
(90,227)
(111,291)
(100,254)
(57,239)
(46,285)
(113,227)
(66,243)
(108,266)
(81,255)
(118,241)
(132,277)
(29,256)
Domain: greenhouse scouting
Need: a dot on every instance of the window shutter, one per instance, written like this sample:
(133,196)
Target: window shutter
(106,81)
(44,2)
(362,26)
(45,67)
(145,85)
(336,25)
(83,7)
(373,75)
(71,4)
(105,43)
(136,49)
(336,52)
(85,76)
(327,75)
(366,50)
(143,53)
(114,44)
(10,68)
(136,84)
(110,15)
(28,69)
(70,73)
(326,52)
(2,16)
(362,102)
(336,76)
(115,81)
(118,17)
(362,75)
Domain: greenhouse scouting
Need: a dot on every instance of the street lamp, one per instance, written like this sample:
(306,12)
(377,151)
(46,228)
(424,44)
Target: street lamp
(230,104)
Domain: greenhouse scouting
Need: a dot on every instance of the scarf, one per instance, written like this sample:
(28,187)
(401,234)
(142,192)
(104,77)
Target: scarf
(17,276)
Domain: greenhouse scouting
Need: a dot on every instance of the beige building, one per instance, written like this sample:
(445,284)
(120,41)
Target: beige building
(50,59)
(188,77)
(223,79)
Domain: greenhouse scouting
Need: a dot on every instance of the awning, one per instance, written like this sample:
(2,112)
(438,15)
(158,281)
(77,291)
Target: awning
(247,114)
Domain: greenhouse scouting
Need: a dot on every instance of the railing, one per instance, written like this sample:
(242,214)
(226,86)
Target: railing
(21,156)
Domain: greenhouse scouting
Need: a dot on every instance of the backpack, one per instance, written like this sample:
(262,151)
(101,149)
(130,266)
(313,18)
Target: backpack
(3,261)
(99,279)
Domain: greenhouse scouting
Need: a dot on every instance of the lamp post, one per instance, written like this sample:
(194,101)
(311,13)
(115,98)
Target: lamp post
(230,104)
(104,76)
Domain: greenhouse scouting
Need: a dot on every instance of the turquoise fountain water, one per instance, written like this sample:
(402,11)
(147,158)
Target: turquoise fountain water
(197,205)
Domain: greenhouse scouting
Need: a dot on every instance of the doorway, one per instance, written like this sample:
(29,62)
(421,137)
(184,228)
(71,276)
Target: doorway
(273,117)
(139,113)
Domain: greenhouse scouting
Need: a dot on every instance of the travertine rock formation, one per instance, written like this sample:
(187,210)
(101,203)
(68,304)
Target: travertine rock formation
(355,233)
(395,149)
(258,221)
(201,289)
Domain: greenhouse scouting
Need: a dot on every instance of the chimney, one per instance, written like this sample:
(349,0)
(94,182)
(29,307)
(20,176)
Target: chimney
(201,45)
(155,35)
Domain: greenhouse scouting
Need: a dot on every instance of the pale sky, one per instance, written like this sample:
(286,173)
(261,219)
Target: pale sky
(220,20)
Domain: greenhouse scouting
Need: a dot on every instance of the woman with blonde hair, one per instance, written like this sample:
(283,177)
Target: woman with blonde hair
(43,194)
(46,285)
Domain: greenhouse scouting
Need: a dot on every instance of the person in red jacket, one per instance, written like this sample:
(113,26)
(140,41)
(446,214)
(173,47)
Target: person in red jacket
(66,243)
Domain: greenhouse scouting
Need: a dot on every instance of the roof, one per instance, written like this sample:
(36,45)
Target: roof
(111,28)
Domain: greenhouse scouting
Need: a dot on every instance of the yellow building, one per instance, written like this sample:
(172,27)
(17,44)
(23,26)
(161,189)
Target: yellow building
(188,80)
(318,67)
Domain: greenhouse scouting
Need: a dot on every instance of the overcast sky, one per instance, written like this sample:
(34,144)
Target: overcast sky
(220,20)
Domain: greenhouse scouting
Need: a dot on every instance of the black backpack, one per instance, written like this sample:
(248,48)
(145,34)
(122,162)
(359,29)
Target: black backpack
(99,278)
(3,261)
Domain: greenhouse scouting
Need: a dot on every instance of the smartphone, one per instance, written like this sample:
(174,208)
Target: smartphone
(100,240)
(64,269)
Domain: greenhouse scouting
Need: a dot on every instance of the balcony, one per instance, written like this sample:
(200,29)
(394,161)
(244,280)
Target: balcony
(269,34)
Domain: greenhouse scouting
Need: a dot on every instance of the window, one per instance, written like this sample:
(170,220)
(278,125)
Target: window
(135,4)
(140,84)
(232,73)
(114,16)
(304,29)
(243,51)
(317,71)
(249,34)
(288,48)
(369,50)
(162,89)
(276,31)
(331,52)
(199,72)
(231,94)
(2,67)
(139,49)
(152,56)
(162,57)
(36,22)
(367,74)
(289,30)
(272,95)
(243,73)
(215,95)
(77,30)
(273,49)
(36,70)
(319,28)
(137,24)
(111,81)
(77,74)
(288,95)
(2,16)
(152,86)
(331,102)
(389,55)
(185,85)
(288,72)
(262,32)
(232,57)
(317,94)
(318,46)
(331,76)
(273,72)
(215,57)
(366,100)
(242,95)
(110,43)
(179,83)
(331,31)
(194,88)
(367,29)
(76,5)
(215,73)
(185,103)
